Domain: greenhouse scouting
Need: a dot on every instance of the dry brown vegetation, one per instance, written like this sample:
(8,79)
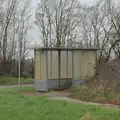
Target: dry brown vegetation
(88,116)
(108,76)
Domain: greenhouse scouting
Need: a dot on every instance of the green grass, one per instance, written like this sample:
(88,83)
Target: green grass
(7,80)
(16,106)
(16,90)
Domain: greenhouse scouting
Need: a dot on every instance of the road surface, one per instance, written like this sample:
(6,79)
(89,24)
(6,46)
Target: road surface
(12,86)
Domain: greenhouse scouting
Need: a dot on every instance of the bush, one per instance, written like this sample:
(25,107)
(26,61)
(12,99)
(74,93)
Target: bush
(24,75)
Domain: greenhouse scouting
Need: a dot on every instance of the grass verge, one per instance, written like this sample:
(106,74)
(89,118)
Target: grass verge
(16,106)
(17,90)
(99,95)
(14,80)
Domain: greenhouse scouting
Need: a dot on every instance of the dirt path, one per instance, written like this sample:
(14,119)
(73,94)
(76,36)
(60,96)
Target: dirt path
(13,86)
(83,102)
(63,95)
(49,94)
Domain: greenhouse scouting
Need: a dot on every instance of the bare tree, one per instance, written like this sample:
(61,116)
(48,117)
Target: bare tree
(97,29)
(58,21)
(15,21)
(24,26)
(7,15)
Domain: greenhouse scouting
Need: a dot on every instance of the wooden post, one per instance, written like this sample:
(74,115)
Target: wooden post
(46,70)
(67,62)
(59,68)
(72,67)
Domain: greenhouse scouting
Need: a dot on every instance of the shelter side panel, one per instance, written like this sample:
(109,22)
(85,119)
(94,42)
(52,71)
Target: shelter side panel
(77,64)
(43,65)
(37,65)
(50,64)
(92,63)
(54,65)
(88,64)
(84,67)
(69,62)
(63,64)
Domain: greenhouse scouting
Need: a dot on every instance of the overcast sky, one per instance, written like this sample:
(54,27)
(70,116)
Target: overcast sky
(87,2)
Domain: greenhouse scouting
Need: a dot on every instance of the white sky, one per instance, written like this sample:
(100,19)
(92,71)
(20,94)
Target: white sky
(88,2)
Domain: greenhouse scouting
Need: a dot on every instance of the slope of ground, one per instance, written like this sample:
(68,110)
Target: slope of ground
(108,76)
(16,106)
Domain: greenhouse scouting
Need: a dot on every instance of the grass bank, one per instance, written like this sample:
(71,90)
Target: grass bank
(16,106)
(7,80)
(99,95)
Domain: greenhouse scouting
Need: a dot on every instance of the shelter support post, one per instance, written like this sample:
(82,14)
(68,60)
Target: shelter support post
(67,62)
(46,70)
(72,67)
(59,67)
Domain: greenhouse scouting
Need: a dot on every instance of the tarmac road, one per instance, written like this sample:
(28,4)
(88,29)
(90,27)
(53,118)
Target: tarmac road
(12,86)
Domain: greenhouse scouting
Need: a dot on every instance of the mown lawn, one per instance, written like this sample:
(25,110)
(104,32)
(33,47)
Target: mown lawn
(16,106)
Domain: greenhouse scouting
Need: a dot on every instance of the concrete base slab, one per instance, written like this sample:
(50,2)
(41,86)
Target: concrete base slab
(43,85)
(59,84)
